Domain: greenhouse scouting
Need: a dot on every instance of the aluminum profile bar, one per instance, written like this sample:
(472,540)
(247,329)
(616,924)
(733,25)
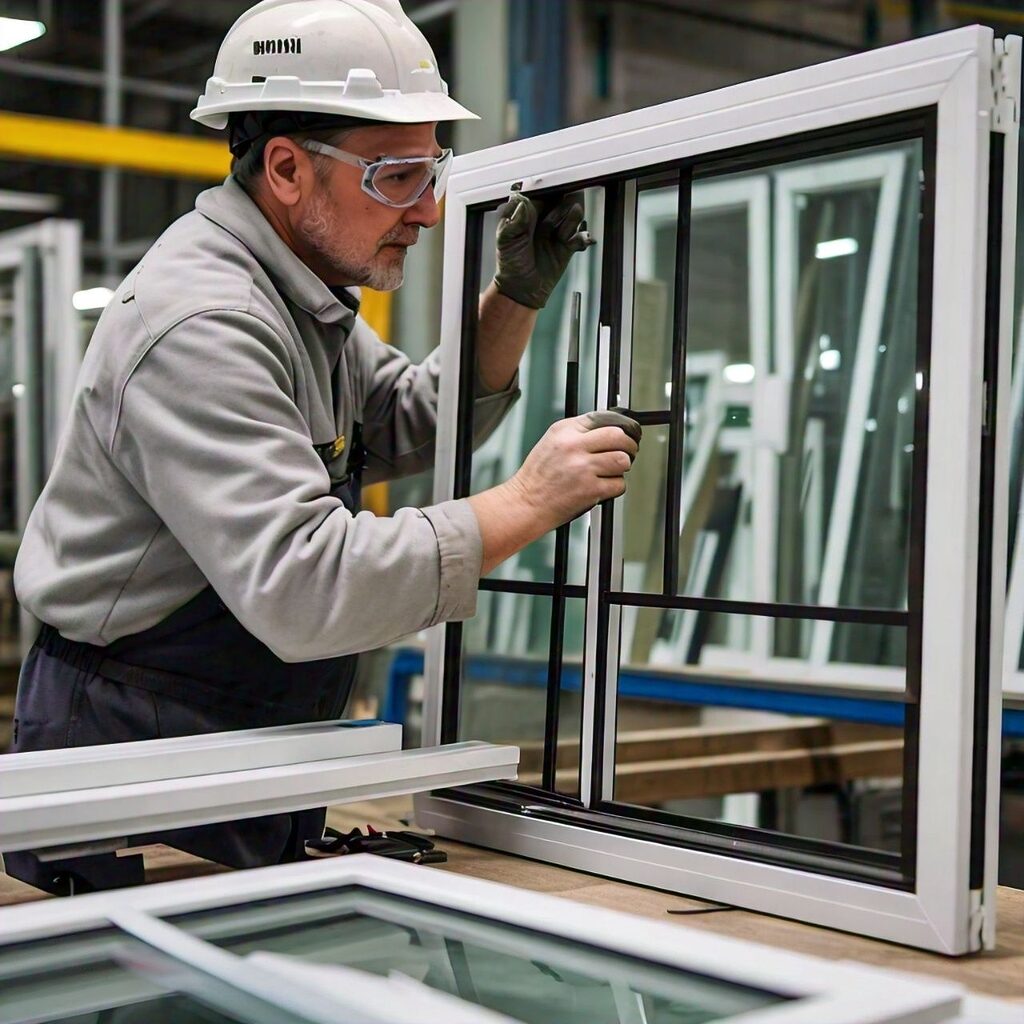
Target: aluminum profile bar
(40,821)
(34,773)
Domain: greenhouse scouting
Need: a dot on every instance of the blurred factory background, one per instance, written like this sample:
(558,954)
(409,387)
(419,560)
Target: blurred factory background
(98,156)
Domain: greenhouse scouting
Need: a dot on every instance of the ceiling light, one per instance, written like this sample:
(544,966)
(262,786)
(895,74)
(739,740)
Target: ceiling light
(91,298)
(15,31)
(831,359)
(836,247)
(739,373)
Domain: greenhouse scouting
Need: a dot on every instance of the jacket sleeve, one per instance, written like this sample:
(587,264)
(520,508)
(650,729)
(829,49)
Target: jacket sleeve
(209,434)
(400,406)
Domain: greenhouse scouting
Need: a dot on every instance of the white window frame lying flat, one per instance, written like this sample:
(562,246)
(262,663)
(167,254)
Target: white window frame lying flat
(951,73)
(72,798)
(819,990)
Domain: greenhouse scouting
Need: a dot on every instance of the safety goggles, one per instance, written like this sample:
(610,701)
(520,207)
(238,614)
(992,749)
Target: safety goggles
(394,180)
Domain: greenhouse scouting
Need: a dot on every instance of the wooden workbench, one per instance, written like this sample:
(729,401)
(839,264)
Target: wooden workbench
(997,973)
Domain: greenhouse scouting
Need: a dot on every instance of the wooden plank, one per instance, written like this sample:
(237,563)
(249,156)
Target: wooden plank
(653,782)
(704,741)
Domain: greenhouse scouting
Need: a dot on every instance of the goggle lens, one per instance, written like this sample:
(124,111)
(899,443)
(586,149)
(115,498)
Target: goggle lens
(402,182)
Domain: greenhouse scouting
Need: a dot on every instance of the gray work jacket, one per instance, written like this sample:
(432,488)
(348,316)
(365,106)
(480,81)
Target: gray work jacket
(189,457)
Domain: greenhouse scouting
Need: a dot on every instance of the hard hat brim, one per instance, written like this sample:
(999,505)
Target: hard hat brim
(416,108)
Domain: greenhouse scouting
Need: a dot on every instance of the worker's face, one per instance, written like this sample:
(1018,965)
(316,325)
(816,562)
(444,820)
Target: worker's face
(361,240)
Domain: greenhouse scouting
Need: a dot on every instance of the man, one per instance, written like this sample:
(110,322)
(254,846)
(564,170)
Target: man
(197,557)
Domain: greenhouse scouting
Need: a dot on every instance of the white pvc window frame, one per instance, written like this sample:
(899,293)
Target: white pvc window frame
(952,73)
(817,990)
(44,260)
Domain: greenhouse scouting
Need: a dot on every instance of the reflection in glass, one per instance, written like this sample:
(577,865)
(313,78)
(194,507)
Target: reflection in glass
(799,410)
(657,214)
(11,506)
(525,975)
(811,776)
(1013,678)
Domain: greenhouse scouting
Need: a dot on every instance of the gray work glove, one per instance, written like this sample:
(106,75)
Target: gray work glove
(616,418)
(533,252)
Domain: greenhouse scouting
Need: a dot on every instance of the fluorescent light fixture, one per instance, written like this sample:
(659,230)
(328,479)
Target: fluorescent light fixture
(871,426)
(91,298)
(824,342)
(739,373)
(17,390)
(836,247)
(15,31)
(831,359)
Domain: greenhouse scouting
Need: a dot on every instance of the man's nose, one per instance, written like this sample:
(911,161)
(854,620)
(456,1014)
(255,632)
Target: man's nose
(424,212)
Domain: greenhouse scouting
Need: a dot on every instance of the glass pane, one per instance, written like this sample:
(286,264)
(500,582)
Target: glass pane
(642,514)
(527,975)
(570,712)
(542,378)
(657,214)
(77,980)
(503,695)
(798,440)
(703,730)
(505,650)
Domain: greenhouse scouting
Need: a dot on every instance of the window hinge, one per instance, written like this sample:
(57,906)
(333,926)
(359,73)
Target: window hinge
(1005,83)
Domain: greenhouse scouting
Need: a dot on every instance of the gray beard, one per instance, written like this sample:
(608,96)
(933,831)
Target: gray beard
(320,231)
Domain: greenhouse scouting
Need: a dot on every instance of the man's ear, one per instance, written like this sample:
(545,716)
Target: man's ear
(288,170)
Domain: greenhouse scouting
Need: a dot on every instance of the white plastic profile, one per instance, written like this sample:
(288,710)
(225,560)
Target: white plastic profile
(85,795)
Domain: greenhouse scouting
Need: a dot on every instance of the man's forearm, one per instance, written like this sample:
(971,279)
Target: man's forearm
(504,329)
(508,522)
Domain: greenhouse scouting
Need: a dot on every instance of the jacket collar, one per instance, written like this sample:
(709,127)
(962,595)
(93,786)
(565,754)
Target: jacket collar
(229,206)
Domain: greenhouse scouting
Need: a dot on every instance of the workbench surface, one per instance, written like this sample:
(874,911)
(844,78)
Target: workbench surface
(997,973)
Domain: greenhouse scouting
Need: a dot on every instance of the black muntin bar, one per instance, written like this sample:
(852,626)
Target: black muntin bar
(673,602)
(676,435)
(611,316)
(500,586)
(986,509)
(918,492)
(467,353)
(660,418)
(561,571)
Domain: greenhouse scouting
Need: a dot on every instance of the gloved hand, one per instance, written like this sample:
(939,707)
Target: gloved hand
(533,252)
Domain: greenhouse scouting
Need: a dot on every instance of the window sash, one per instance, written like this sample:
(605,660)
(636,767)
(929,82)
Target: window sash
(946,75)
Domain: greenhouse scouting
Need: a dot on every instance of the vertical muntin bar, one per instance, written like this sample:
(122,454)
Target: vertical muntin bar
(676,437)
(561,570)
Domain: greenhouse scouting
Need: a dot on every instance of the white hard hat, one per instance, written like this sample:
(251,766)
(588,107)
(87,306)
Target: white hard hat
(349,58)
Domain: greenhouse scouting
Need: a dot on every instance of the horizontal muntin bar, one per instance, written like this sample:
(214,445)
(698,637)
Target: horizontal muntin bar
(500,586)
(855,616)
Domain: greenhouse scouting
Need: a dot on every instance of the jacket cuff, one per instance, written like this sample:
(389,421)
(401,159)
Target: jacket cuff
(460,555)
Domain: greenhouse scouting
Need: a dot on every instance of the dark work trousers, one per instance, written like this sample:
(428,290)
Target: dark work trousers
(198,671)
